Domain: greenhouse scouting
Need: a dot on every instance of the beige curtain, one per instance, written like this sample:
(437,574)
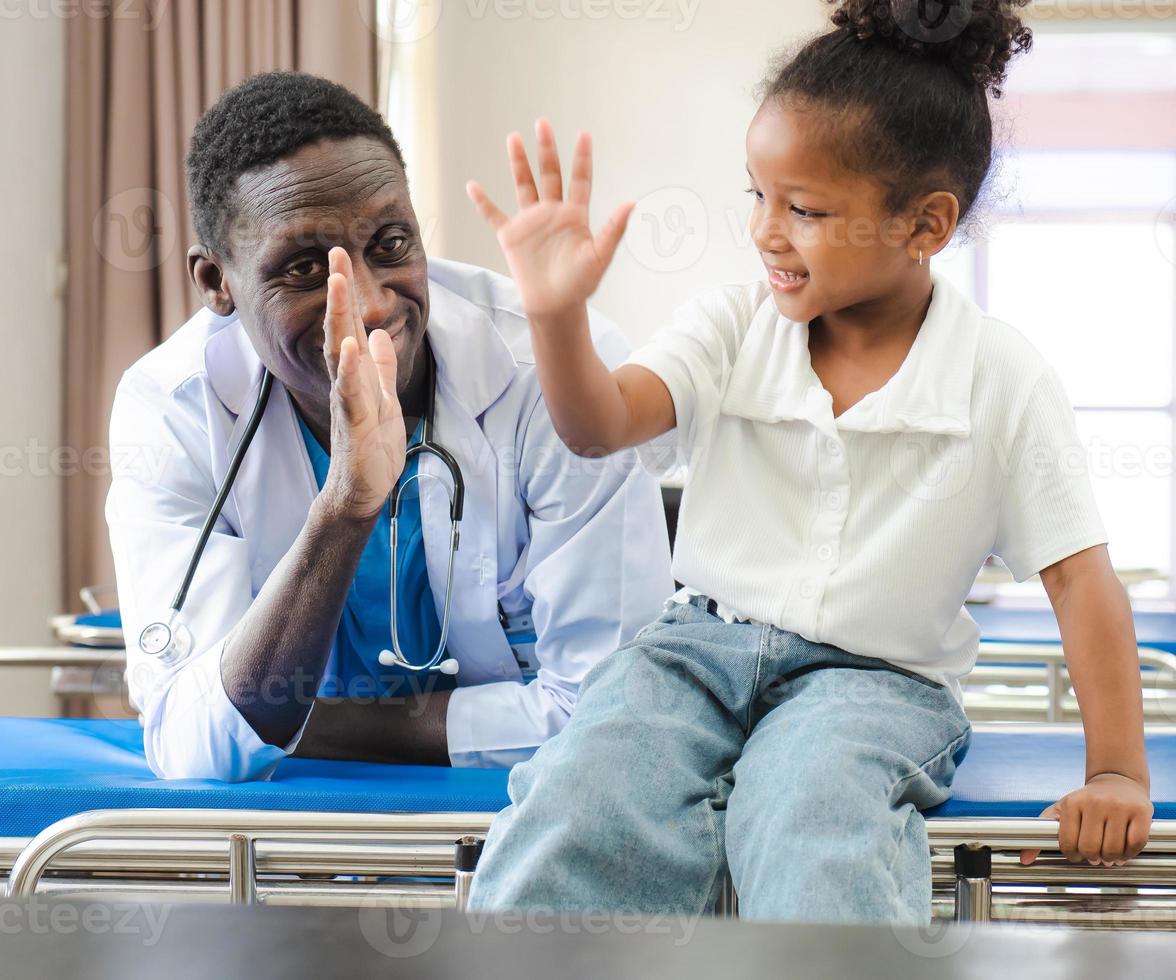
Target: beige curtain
(139,75)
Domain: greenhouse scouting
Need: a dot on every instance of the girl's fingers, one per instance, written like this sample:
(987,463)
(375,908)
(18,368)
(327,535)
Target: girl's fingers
(1030,855)
(1090,837)
(1114,842)
(1137,833)
(1069,827)
(485,206)
(609,237)
(580,186)
(520,169)
(550,178)
(384,355)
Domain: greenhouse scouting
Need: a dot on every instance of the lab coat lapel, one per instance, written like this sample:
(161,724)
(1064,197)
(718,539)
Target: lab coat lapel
(275,486)
(474,367)
(474,637)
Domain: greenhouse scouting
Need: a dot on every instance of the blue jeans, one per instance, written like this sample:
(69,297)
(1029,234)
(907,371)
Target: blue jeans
(703,746)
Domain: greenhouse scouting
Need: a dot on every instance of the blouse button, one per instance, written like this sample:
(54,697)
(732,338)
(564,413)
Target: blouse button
(824,552)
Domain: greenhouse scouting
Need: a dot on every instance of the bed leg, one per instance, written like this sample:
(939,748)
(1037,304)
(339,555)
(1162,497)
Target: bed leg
(727,904)
(242,870)
(467,851)
(973,892)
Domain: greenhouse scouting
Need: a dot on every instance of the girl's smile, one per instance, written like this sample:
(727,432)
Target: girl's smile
(784,281)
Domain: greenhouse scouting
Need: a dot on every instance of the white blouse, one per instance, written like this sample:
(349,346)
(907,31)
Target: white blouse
(866,531)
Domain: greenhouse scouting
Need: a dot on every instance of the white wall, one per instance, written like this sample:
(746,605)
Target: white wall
(666,94)
(32,65)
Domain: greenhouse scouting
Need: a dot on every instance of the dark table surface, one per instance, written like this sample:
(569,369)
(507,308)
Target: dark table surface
(131,941)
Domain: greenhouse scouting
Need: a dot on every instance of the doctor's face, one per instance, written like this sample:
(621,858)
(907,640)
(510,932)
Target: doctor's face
(288,215)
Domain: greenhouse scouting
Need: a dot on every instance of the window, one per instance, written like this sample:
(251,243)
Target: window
(1078,251)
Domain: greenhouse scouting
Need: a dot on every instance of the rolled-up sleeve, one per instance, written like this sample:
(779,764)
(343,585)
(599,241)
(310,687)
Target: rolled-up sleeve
(161,492)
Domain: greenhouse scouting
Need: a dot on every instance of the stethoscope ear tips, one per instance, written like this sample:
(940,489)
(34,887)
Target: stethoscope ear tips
(389,659)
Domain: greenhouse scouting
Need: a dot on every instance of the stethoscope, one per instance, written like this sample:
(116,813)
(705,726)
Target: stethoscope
(170,640)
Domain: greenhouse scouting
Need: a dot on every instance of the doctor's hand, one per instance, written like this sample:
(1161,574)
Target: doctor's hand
(554,258)
(367,427)
(1105,822)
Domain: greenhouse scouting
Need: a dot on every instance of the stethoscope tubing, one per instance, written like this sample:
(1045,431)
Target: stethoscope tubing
(425,447)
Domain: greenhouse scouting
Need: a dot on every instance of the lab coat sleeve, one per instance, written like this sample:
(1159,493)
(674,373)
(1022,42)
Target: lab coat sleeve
(596,569)
(161,491)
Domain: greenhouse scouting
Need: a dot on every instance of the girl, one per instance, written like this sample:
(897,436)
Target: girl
(860,437)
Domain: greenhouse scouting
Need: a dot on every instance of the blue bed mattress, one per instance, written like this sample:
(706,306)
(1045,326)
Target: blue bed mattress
(54,768)
(1002,625)
(1018,774)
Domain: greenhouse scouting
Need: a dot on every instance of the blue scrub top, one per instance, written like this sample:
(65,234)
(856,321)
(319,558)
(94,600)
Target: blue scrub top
(365,628)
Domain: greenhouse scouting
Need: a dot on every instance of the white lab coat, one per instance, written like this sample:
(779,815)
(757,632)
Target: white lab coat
(580,543)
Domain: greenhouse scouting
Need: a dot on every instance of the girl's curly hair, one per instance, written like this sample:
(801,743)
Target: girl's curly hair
(903,86)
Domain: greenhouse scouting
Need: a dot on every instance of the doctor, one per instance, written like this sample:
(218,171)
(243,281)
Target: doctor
(311,265)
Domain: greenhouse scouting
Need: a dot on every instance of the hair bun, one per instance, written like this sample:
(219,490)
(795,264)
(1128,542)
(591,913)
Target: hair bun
(976,38)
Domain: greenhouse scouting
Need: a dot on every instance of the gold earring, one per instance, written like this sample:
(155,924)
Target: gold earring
(920,256)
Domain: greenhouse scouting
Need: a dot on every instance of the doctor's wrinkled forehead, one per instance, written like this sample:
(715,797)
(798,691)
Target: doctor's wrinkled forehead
(262,121)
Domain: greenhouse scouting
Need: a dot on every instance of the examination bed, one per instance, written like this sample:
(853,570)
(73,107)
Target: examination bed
(1020,674)
(82,815)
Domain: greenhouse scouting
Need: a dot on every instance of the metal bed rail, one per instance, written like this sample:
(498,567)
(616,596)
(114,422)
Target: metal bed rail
(305,832)
(319,894)
(1057,703)
(128,858)
(247,857)
(154,861)
(95,657)
(1042,906)
(85,679)
(991,692)
(1073,910)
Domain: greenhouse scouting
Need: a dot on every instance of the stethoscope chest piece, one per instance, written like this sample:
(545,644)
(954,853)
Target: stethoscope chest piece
(169,641)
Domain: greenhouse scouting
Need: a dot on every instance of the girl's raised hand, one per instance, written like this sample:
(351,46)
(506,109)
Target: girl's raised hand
(555,260)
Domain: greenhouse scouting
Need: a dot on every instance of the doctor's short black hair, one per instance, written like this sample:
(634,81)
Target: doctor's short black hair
(265,118)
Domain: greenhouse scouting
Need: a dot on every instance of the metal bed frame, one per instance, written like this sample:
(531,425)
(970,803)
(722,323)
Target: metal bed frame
(1043,693)
(1001,687)
(992,691)
(408,860)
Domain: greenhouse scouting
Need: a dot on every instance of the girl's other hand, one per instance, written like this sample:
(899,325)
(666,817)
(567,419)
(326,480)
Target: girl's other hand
(555,260)
(1105,822)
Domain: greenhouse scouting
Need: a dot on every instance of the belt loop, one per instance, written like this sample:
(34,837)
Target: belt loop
(712,607)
